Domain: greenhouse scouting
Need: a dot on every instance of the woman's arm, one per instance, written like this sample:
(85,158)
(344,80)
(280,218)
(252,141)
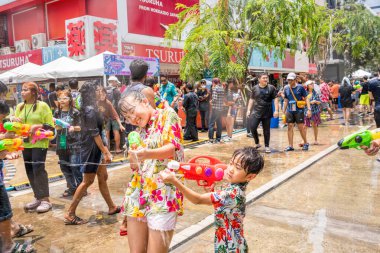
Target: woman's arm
(164,152)
(107,155)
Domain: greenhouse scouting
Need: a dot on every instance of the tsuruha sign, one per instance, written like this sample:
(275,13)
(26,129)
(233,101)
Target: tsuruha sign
(87,36)
(11,61)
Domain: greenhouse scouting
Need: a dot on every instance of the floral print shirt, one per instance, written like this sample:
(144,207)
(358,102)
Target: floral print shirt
(229,205)
(146,193)
(325,92)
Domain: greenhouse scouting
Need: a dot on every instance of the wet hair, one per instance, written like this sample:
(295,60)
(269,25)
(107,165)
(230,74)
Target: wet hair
(33,87)
(4,108)
(138,69)
(262,74)
(190,86)
(126,107)
(88,96)
(365,78)
(249,159)
(73,83)
(62,86)
(150,82)
(67,93)
(3,88)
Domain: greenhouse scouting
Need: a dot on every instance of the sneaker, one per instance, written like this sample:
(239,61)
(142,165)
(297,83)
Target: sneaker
(227,139)
(305,147)
(289,148)
(32,205)
(211,141)
(267,150)
(44,207)
(249,135)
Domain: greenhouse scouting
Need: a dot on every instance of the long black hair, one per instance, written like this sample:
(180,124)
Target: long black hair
(88,95)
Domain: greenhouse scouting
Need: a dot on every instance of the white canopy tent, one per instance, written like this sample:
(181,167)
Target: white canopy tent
(25,73)
(360,74)
(93,66)
(63,67)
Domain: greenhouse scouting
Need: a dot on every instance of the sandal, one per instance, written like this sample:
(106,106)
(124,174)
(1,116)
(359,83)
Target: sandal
(75,221)
(123,232)
(23,230)
(68,193)
(22,248)
(117,210)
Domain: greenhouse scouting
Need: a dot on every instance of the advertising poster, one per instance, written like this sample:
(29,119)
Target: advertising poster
(119,64)
(152,17)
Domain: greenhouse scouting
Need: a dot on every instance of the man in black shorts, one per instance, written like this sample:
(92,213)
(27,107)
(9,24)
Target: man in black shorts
(294,92)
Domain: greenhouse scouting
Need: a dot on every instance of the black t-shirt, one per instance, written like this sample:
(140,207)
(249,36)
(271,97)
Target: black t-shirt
(72,138)
(345,92)
(374,87)
(365,87)
(262,101)
(190,101)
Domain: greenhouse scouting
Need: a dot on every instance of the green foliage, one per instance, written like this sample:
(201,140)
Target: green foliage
(357,35)
(221,37)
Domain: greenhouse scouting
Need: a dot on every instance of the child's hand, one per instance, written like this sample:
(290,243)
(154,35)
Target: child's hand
(167,176)
(71,129)
(11,156)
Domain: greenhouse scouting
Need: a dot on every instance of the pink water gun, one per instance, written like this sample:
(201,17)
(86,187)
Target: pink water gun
(41,134)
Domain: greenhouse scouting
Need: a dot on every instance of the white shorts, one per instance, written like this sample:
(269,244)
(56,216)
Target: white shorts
(160,222)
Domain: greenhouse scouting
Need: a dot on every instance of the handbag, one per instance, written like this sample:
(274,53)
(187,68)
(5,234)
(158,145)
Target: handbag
(300,104)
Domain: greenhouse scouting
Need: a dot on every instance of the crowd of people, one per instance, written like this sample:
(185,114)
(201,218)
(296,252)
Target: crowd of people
(154,197)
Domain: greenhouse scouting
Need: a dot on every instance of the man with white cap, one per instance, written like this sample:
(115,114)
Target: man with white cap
(294,106)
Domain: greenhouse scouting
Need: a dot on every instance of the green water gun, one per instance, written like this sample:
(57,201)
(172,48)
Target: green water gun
(358,139)
(134,140)
(358,86)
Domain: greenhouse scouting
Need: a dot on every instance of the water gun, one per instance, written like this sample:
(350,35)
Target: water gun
(2,129)
(11,145)
(18,128)
(41,134)
(61,123)
(159,103)
(205,174)
(358,139)
(357,86)
(134,140)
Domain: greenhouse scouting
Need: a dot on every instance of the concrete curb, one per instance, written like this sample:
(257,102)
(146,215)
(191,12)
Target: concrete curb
(193,231)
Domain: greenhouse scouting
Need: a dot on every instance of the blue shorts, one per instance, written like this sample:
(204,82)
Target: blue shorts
(5,205)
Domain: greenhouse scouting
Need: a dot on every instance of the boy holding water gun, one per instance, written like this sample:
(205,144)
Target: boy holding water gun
(229,203)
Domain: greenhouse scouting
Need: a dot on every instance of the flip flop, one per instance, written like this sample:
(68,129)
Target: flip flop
(23,230)
(22,248)
(123,232)
(75,221)
(118,210)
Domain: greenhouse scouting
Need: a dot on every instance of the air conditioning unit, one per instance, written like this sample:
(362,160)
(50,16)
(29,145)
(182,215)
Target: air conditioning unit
(22,46)
(5,50)
(38,40)
(52,43)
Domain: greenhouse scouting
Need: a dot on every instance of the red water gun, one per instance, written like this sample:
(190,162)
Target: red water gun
(206,174)
(41,134)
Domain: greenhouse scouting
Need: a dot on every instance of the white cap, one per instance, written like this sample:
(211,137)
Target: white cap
(291,76)
(309,82)
(113,78)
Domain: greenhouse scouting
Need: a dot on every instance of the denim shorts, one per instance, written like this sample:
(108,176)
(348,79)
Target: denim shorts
(5,205)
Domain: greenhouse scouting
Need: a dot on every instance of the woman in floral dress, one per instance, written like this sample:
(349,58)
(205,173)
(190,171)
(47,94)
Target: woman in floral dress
(151,206)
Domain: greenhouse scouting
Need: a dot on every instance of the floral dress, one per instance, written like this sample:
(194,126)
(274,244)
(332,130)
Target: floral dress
(229,205)
(146,193)
(315,110)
